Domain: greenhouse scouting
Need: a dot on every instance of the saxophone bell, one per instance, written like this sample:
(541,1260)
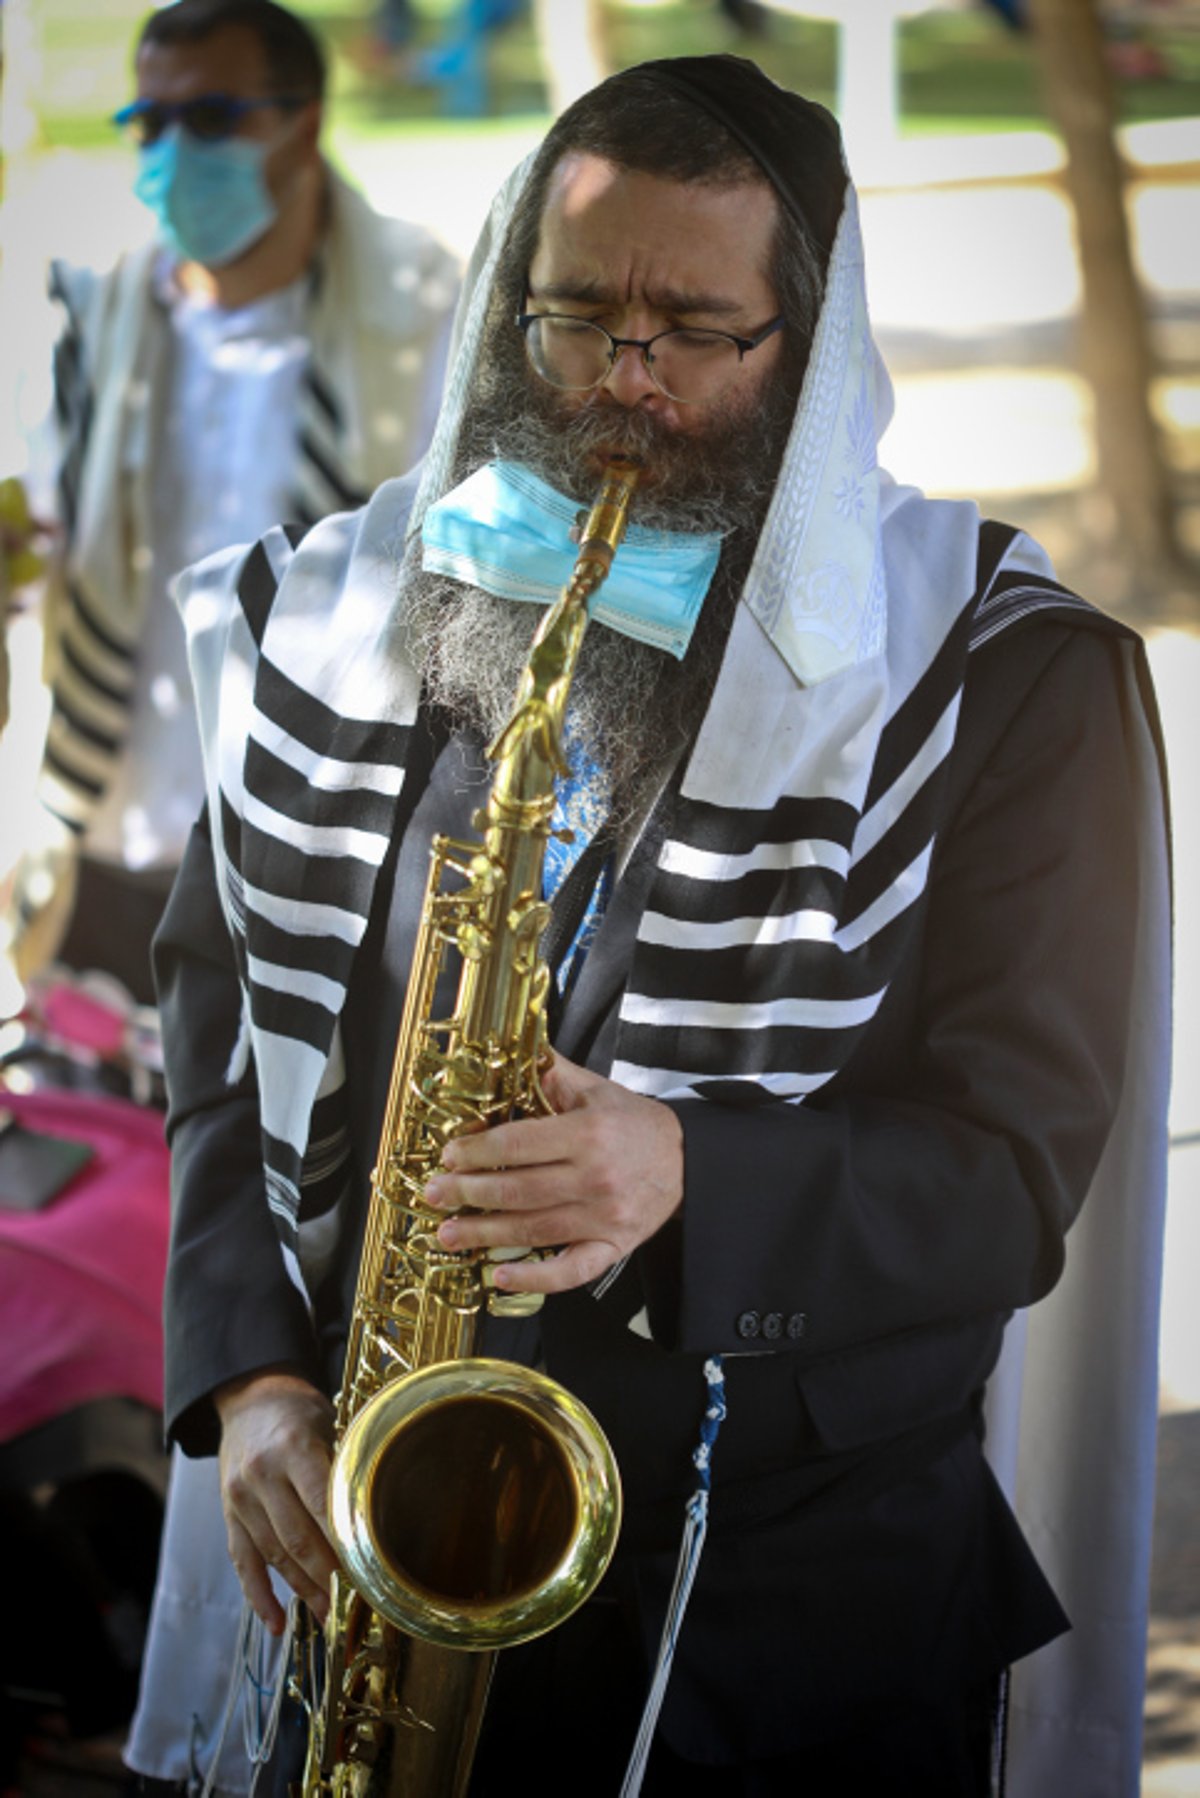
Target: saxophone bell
(528,1504)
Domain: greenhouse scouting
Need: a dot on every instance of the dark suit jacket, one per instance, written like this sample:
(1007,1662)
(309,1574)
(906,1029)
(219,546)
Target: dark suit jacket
(854,1258)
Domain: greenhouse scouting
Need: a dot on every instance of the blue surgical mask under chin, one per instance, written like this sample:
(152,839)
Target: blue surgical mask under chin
(508,532)
(210,199)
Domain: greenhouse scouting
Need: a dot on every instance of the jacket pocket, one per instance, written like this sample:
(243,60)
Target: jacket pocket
(899,1383)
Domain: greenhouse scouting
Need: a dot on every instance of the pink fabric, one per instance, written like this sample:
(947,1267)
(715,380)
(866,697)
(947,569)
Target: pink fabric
(77,1017)
(81,1280)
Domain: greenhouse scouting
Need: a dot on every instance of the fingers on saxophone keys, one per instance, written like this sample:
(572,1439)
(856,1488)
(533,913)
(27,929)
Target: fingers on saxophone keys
(441,1192)
(501,1229)
(482,1192)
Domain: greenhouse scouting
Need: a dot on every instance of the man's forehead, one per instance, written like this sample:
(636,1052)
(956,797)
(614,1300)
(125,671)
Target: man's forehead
(580,180)
(606,230)
(577,180)
(230,60)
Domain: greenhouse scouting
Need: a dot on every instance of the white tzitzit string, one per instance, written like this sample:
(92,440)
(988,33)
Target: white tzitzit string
(694,1531)
(258,1677)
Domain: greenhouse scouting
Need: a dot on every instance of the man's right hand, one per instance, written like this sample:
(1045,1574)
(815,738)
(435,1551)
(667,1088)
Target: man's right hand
(276,1431)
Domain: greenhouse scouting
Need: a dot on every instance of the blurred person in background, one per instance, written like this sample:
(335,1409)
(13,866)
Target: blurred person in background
(272,355)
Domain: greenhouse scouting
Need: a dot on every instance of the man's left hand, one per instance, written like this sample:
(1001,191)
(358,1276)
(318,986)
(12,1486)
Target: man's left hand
(593,1181)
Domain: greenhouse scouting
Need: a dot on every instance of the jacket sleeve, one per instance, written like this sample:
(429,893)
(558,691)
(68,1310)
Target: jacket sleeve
(229,1305)
(933,1183)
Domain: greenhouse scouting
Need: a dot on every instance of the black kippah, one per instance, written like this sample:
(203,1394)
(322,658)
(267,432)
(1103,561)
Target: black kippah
(795,142)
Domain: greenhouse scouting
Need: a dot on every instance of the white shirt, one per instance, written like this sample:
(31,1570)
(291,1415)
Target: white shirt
(223,471)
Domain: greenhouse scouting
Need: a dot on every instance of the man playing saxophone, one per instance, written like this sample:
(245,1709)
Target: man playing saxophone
(840,1003)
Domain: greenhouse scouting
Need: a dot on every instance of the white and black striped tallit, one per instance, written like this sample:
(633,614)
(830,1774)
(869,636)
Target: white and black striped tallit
(380,295)
(97,644)
(808,810)
(94,635)
(771,931)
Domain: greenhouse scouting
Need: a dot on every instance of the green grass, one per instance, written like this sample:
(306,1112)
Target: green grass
(960,71)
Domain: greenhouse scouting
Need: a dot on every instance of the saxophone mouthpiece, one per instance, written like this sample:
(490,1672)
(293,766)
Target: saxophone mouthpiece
(600,536)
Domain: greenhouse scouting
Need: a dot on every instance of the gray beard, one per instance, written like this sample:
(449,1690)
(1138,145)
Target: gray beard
(635,708)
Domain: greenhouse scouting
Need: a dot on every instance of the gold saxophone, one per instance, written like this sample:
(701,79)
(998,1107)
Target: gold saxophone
(474,1503)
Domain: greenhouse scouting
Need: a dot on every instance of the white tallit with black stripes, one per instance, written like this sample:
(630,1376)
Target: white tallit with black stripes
(379,296)
(808,810)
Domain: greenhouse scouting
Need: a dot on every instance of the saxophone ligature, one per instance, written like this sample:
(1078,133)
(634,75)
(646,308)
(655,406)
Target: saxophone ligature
(474,1503)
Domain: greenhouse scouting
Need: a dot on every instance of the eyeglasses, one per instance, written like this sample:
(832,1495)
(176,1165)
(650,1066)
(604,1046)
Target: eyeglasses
(686,365)
(210,117)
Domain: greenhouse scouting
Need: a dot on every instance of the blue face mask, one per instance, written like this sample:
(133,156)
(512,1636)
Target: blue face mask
(508,532)
(210,199)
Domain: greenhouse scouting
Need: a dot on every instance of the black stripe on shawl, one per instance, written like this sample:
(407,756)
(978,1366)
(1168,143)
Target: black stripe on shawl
(231,840)
(905,733)
(74,660)
(284,871)
(82,607)
(757,973)
(764,893)
(73,400)
(70,473)
(68,494)
(729,830)
(236,889)
(291,1015)
(334,478)
(286,790)
(71,777)
(282,1204)
(231,834)
(320,1196)
(310,954)
(256,589)
(740,1093)
(327,1161)
(280,1157)
(323,730)
(324,395)
(995,541)
(83,728)
(70,388)
(699,1048)
(287,1175)
(900,845)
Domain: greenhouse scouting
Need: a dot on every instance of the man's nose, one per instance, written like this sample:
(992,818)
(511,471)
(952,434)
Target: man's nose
(628,380)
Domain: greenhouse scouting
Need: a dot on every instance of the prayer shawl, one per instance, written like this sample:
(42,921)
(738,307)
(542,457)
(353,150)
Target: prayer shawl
(784,899)
(381,294)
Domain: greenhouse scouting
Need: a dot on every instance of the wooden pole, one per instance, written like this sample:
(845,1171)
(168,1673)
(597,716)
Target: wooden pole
(1116,353)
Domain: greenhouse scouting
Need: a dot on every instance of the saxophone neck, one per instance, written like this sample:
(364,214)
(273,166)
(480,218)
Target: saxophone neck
(536,724)
(601,535)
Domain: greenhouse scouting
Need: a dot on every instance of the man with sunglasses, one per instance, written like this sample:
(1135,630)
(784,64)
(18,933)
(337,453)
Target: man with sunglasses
(849,924)
(274,354)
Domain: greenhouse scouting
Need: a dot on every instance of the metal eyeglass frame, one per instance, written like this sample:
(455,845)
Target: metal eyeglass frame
(645,344)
